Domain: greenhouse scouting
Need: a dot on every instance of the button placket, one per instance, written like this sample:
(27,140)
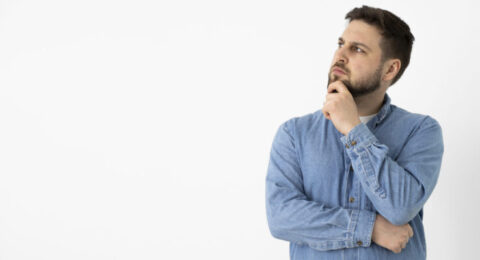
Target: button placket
(353,193)
(352,198)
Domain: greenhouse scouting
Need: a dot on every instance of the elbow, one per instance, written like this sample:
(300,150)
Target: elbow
(276,232)
(277,229)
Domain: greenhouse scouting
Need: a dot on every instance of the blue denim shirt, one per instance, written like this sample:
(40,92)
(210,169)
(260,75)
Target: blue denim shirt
(324,189)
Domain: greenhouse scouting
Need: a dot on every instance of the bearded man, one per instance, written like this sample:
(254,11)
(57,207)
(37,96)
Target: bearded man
(350,181)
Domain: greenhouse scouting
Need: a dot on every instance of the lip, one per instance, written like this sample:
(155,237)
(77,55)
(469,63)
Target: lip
(337,70)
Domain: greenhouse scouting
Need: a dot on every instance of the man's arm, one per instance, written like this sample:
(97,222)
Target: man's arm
(398,189)
(293,217)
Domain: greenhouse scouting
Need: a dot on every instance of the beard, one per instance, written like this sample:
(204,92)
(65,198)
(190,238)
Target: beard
(360,88)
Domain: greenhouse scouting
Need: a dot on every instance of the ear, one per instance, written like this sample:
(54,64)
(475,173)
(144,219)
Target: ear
(392,68)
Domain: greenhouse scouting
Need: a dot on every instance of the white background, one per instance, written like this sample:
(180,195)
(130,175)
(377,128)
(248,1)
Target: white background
(142,129)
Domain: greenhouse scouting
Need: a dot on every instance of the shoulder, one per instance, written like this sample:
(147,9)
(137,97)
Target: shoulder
(304,123)
(416,121)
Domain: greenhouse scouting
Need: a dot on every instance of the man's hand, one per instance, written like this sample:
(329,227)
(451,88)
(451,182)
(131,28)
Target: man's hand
(340,108)
(389,236)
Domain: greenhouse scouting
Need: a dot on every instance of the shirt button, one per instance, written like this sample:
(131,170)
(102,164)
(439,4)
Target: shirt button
(359,243)
(347,146)
(353,143)
(352,199)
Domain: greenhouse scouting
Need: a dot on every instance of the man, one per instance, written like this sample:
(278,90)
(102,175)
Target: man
(350,180)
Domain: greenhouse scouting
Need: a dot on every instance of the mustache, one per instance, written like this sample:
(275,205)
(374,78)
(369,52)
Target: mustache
(341,66)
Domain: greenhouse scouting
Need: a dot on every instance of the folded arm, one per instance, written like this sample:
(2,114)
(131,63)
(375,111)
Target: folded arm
(292,216)
(397,188)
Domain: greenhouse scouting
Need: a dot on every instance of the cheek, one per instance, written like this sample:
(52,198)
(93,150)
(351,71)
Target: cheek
(362,72)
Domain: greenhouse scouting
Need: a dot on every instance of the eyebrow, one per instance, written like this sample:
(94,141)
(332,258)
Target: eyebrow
(356,44)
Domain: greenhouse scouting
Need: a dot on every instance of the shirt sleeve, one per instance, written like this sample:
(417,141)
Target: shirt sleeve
(293,217)
(399,188)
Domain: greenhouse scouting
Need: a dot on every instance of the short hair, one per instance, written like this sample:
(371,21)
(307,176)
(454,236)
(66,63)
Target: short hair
(397,40)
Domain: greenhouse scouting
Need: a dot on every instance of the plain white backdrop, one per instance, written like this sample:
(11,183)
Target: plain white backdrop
(142,129)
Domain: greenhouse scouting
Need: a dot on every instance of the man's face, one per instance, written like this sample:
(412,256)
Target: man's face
(358,60)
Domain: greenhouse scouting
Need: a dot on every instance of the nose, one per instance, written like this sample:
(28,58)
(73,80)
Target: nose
(340,55)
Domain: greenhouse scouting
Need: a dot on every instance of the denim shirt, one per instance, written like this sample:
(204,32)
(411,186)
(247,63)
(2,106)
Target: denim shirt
(324,189)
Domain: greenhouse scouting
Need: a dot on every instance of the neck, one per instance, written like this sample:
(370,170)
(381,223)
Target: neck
(370,104)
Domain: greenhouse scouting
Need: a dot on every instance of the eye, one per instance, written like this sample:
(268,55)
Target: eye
(357,49)
(340,44)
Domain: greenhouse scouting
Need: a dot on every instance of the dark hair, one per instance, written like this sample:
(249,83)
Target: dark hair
(397,40)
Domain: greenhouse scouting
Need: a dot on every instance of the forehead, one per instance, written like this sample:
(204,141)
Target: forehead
(362,32)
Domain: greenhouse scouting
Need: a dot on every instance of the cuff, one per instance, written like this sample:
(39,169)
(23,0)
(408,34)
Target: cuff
(362,236)
(359,136)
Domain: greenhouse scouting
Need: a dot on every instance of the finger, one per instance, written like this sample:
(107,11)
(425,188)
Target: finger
(410,231)
(326,114)
(332,88)
(327,109)
(326,105)
(337,86)
(330,96)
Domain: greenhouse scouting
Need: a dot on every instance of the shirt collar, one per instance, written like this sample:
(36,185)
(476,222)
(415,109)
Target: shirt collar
(383,112)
